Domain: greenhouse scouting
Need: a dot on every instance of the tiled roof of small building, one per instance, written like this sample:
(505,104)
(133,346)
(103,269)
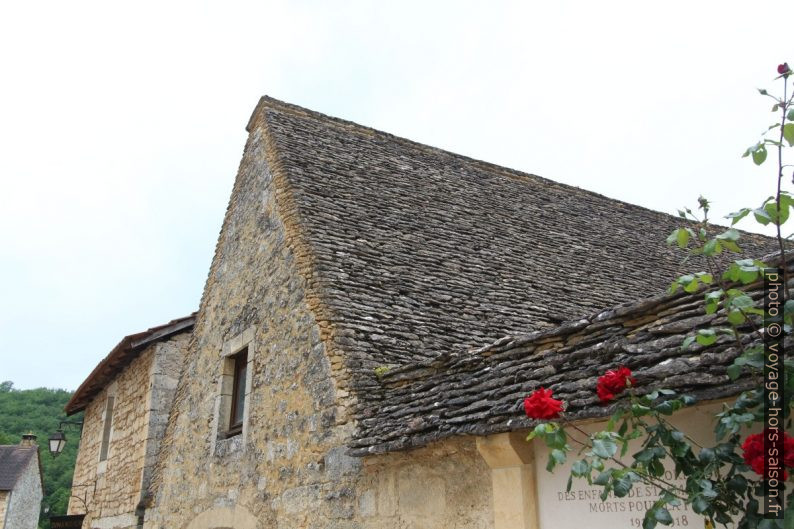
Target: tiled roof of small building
(414,251)
(120,357)
(14,459)
(480,392)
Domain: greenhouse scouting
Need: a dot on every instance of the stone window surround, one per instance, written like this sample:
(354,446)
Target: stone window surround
(223,396)
(103,463)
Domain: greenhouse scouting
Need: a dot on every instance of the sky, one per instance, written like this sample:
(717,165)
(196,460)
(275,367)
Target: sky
(122,125)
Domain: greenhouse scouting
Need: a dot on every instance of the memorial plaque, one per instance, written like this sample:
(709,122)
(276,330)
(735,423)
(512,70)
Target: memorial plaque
(582,506)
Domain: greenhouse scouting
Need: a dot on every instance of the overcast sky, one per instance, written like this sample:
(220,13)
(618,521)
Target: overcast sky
(122,125)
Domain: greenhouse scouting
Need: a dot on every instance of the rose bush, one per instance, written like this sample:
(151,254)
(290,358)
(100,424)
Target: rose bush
(716,481)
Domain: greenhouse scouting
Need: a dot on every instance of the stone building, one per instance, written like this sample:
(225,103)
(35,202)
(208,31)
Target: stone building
(20,484)
(126,400)
(375,311)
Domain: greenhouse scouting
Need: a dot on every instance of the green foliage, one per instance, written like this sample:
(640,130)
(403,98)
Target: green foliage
(40,410)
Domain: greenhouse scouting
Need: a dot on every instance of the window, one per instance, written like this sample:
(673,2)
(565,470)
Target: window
(240,366)
(233,397)
(108,424)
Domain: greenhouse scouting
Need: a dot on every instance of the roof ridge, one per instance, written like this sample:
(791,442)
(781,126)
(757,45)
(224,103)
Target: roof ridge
(268,102)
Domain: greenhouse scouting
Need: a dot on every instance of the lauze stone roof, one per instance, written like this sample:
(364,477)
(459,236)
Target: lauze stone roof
(418,254)
(481,392)
(14,460)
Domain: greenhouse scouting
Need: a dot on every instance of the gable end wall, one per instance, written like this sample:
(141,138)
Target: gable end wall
(110,492)
(24,502)
(294,428)
(291,467)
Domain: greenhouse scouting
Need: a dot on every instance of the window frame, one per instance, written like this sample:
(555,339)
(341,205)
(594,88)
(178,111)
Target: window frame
(240,372)
(225,439)
(107,428)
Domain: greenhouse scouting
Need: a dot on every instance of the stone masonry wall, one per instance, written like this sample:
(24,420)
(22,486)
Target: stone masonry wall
(164,377)
(143,393)
(24,503)
(443,486)
(293,469)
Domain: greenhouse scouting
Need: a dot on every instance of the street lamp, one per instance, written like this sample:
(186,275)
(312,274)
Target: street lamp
(57,440)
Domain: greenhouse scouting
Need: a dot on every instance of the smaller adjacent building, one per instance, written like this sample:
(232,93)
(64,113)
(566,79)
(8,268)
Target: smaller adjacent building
(20,484)
(126,400)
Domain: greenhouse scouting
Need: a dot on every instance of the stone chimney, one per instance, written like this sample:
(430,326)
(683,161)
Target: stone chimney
(28,440)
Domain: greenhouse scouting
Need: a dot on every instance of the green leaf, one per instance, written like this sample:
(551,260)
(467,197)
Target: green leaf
(729,235)
(706,455)
(667,407)
(759,156)
(762,216)
(687,342)
(656,468)
(646,455)
(623,427)
(741,300)
(734,371)
(736,216)
(682,238)
(580,468)
(604,448)
(788,133)
(712,247)
(700,505)
(777,217)
(731,246)
(790,115)
(648,522)
(735,317)
(662,515)
(738,484)
(706,337)
(713,300)
(622,486)
(603,478)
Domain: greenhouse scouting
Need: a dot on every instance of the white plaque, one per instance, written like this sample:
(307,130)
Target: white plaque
(582,507)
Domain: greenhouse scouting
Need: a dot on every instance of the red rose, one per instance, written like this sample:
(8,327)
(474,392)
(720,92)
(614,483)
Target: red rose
(753,448)
(540,405)
(783,69)
(613,382)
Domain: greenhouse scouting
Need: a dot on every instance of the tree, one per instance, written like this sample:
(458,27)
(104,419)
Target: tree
(39,411)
